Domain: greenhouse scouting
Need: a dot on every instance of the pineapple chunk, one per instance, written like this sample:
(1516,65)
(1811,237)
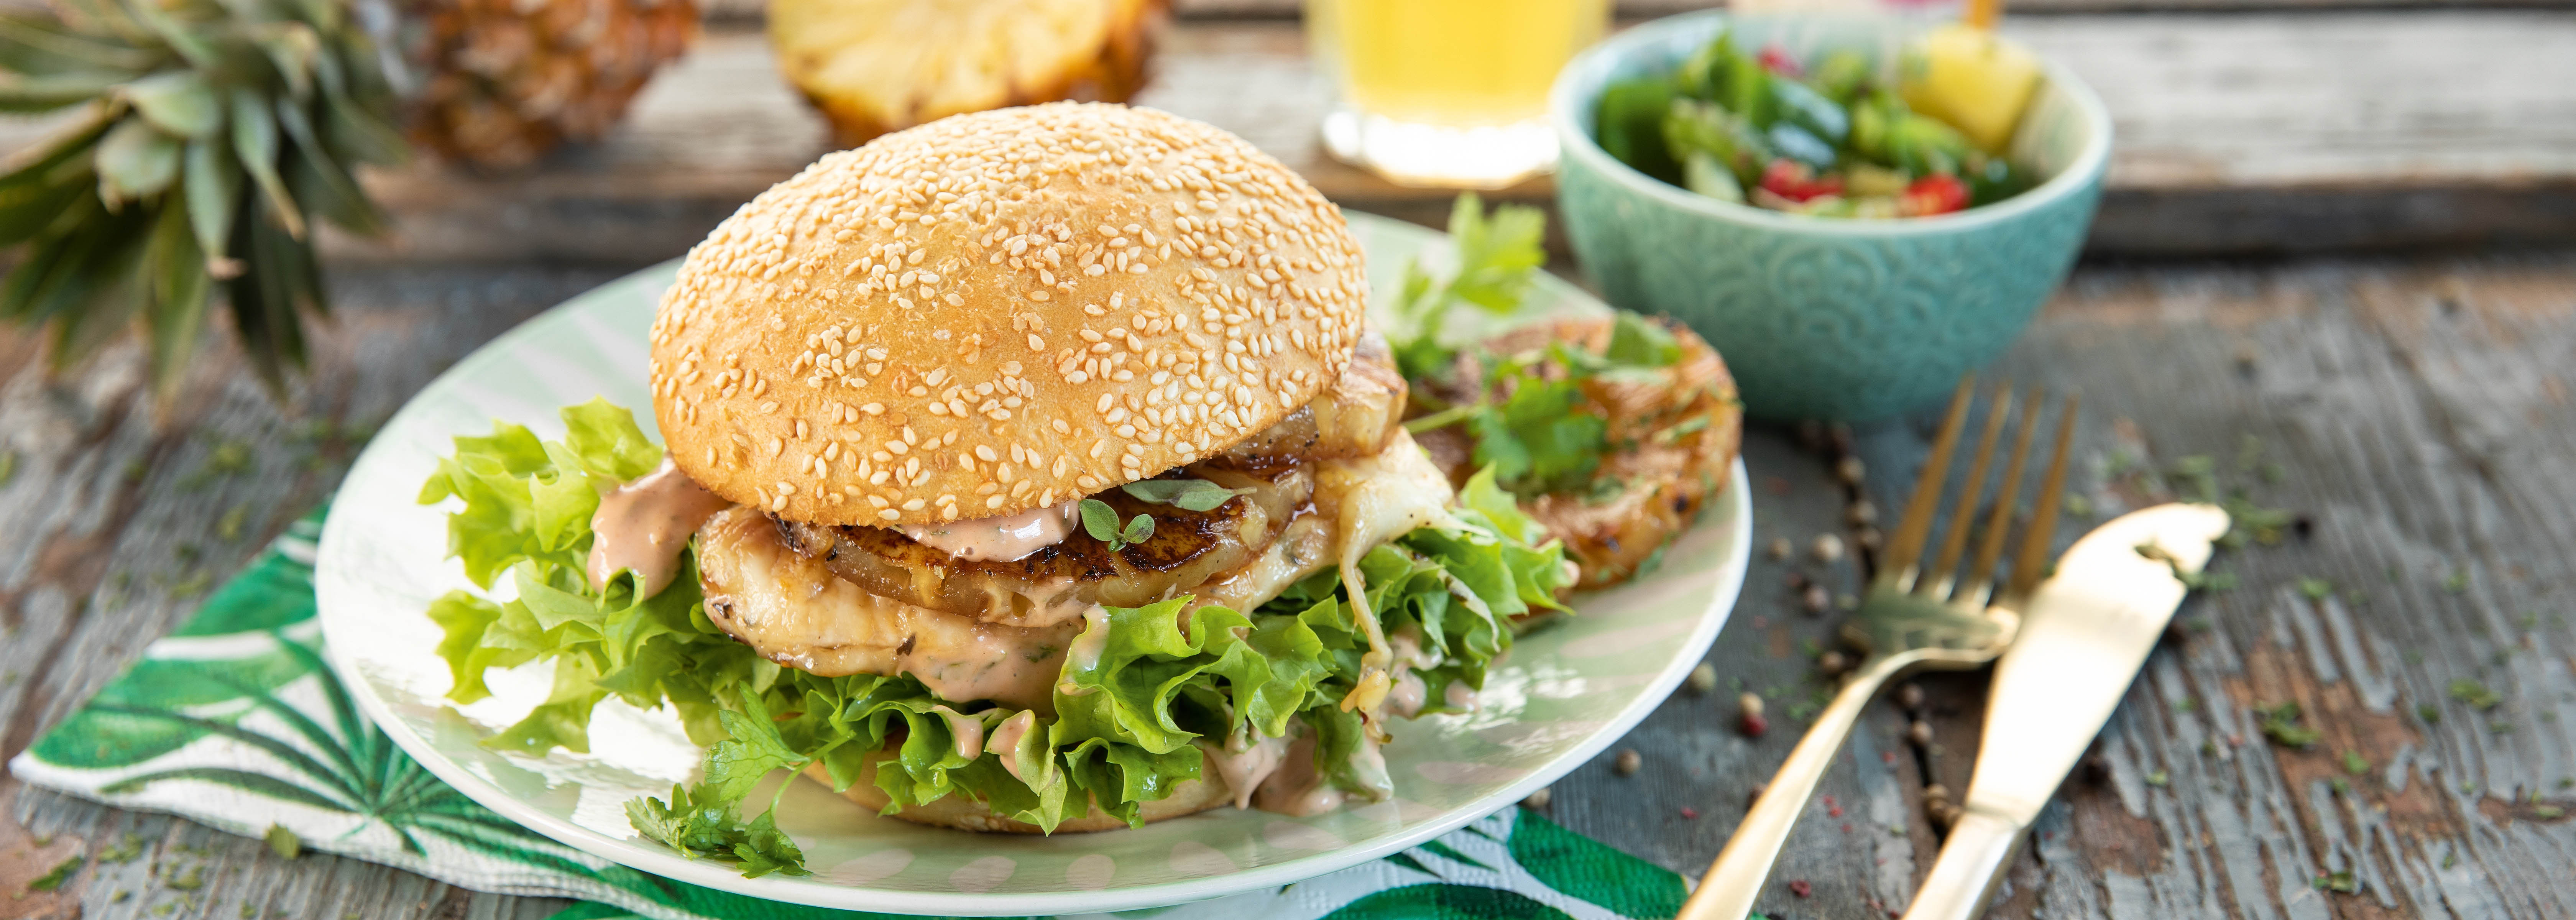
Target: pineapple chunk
(875,66)
(1975,81)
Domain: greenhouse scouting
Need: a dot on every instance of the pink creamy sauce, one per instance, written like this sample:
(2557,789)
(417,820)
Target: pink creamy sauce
(1294,786)
(1005,538)
(1244,767)
(643,525)
(1005,742)
(968,730)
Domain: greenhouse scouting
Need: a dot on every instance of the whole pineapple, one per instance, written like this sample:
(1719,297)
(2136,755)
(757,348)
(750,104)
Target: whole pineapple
(874,66)
(509,79)
(203,139)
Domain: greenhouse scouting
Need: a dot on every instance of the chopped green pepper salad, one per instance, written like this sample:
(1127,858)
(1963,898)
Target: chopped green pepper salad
(1834,136)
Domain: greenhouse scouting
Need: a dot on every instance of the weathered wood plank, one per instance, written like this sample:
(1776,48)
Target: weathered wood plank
(2237,133)
(119,525)
(2418,411)
(2418,420)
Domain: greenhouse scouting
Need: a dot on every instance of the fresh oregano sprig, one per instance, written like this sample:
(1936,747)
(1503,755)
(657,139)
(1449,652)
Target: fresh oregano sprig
(1185,494)
(1101,522)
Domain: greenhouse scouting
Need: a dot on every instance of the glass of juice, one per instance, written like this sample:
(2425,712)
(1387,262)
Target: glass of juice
(1447,93)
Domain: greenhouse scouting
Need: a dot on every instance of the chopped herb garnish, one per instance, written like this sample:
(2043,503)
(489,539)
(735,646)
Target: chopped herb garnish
(1497,256)
(60,873)
(1185,494)
(1101,522)
(2281,724)
(1532,421)
(283,842)
(2316,589)
(2341,881)
(2475,694)
(2354,764)
(2159,779)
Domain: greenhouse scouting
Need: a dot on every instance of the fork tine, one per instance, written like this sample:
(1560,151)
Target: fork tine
(1981,573)
(1907,544)
(2035,544)
(1945,572)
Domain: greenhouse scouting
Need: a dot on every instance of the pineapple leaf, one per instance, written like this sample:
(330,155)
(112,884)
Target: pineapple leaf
(42,183)
(216,131)
(213,184)
(194,48)
(296,51)
(109,17)
(180,288)
(31,211)
(361,136)
(29,94)
(95,296)
(322,183)
(179,102)
(265,298)
(136,160)
(255,142)
(40,46)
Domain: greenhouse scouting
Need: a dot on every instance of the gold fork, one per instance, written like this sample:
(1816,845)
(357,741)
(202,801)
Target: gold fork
(1914,617)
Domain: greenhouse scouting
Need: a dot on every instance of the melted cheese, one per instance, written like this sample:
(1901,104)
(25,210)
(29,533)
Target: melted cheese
(1376,500)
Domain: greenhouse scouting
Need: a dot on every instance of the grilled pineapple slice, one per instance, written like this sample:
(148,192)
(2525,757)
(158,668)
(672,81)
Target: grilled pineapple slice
(1672,443)
(874,66)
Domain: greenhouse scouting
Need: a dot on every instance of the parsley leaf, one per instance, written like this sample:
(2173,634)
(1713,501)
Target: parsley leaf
(1101,522)
(701,821)
(1636,341)
(752,750)
(1186,494)
(1536,438)
(1497,257)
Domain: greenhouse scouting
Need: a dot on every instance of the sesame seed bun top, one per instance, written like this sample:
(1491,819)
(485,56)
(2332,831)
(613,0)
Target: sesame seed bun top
(1001,311)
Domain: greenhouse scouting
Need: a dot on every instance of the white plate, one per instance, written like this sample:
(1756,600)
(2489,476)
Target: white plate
(1563,694)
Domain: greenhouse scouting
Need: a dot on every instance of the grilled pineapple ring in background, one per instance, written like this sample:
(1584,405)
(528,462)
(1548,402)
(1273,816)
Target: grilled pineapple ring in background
(1663,461)
(874,66)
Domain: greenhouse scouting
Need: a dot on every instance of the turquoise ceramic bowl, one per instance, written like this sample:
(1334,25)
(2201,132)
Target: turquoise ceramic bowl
(1826,318)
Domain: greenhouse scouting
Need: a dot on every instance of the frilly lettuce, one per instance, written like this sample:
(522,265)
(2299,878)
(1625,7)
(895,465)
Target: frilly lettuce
(1127,722)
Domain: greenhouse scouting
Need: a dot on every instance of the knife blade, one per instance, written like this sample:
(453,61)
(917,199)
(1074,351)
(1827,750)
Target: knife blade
(2086,632)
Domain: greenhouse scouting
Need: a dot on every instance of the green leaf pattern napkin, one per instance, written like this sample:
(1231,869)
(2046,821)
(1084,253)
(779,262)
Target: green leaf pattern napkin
(234,721)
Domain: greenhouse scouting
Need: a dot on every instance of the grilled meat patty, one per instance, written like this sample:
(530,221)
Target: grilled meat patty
(1357,417)
(793,611)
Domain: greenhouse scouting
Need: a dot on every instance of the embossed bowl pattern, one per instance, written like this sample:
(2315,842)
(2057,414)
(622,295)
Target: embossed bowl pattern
(1826,318)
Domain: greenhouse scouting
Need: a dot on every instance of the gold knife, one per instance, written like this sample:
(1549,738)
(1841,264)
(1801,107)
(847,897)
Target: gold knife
(2085,634)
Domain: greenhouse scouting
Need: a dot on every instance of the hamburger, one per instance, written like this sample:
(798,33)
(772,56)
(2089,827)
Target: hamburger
(1031,470)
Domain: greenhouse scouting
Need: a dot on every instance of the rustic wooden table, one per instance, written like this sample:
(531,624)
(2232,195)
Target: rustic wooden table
(2294,334)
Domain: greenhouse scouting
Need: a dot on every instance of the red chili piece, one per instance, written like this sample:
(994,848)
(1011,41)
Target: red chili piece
(1793,180)
(1938,193)
(1799,887)
(1776,59)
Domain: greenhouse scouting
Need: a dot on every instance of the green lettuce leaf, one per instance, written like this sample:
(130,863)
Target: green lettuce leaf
(1145,689)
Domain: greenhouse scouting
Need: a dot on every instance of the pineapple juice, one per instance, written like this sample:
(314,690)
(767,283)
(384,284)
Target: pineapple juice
(1447,92)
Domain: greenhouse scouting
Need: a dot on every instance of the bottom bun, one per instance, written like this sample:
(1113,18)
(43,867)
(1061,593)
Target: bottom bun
(965,814)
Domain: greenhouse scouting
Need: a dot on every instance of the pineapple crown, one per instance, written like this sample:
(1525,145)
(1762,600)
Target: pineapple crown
(199,140)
